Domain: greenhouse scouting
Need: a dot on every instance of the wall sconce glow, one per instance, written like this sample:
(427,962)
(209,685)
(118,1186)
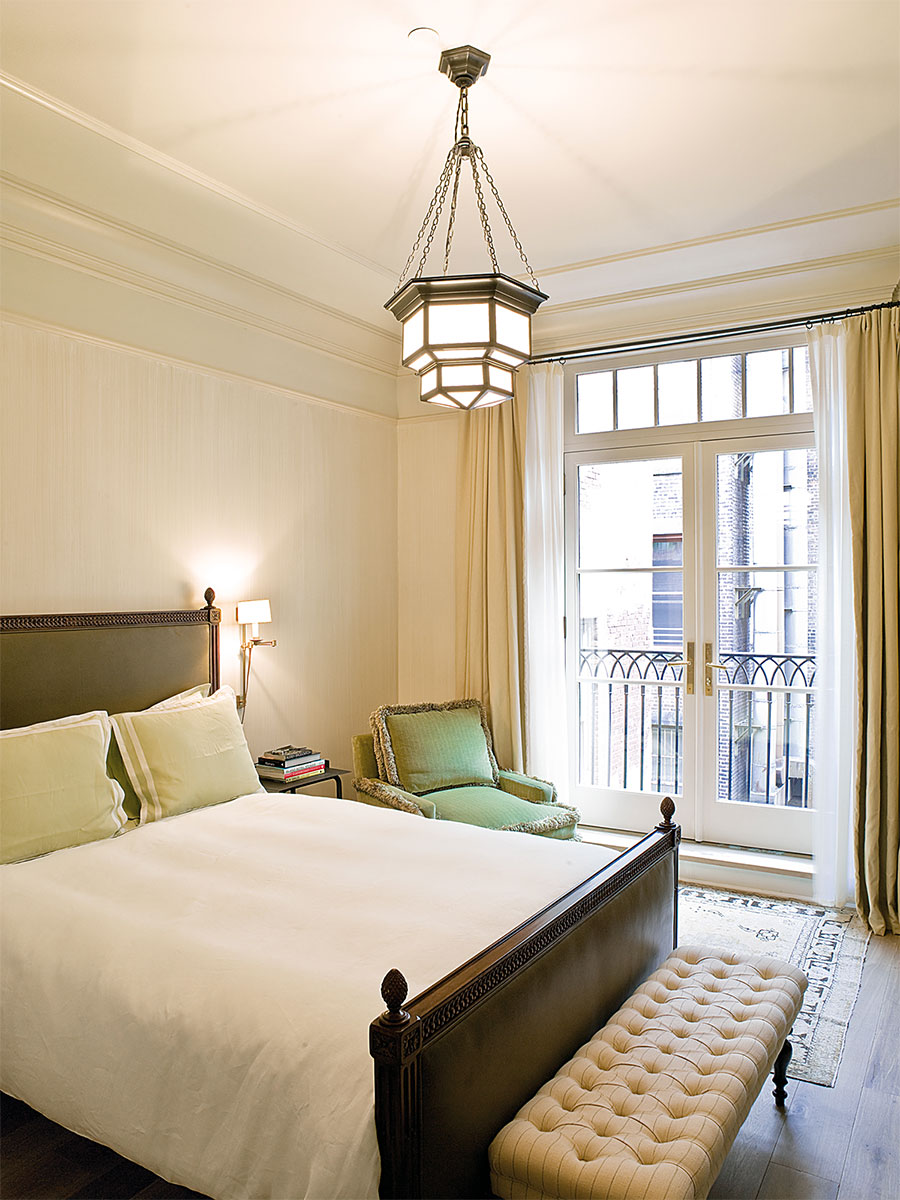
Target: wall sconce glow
(250,615)
(254,613)
(464,335)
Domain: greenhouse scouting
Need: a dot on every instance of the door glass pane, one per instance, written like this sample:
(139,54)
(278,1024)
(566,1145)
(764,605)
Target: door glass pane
(768,388)
(623,508)
(767,508)
(720,388)
(630,622)
(765,664)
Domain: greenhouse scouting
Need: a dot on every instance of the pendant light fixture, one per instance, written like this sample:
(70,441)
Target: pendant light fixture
(464,335)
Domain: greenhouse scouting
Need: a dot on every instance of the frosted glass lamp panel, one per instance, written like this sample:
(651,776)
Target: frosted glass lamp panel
(511,360)
(513,330)
(459,352)
(413,333)
(429,381)
(420,363)
(677,392)
(438,398)
(720,388)
(767,508)
(596,412)
(462,375)
(768,388)
(635,396)
(624,508)
(500,378)
(457,324)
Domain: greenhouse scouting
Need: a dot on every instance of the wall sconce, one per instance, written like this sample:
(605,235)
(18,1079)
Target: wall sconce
(250,615)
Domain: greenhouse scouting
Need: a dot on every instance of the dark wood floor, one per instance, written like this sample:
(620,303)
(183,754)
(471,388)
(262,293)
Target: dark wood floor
(840,1143)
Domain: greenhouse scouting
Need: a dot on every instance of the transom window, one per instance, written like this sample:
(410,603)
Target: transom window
(723,387)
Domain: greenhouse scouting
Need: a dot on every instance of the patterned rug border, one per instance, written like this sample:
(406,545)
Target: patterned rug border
(831,952)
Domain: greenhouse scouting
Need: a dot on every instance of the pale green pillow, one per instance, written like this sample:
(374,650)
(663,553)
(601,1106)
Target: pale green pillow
(54,790)
(186,756)
(424,747)
(115,767)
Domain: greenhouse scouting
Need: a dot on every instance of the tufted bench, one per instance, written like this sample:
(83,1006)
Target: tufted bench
(650,1106)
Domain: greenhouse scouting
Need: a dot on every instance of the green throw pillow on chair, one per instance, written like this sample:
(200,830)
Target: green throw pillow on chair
(437,761)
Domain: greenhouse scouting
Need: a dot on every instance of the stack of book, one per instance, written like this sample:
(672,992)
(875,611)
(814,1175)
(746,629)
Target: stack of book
(290,763)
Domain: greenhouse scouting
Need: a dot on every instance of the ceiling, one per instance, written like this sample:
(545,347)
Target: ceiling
(612,129)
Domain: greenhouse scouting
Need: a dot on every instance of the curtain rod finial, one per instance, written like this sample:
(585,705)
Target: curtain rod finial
(895,294)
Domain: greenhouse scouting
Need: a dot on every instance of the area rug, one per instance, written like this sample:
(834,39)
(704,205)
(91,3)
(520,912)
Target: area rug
(828,944)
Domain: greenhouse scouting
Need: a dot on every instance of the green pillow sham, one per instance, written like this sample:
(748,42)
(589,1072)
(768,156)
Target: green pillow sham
(186,756)
(54,790)
(115,766)
(424,747)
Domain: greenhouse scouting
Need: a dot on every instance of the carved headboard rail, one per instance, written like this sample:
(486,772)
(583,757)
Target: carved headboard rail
(56,664)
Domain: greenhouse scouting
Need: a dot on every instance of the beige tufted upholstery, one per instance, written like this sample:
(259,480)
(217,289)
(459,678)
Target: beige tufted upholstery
(650,1106)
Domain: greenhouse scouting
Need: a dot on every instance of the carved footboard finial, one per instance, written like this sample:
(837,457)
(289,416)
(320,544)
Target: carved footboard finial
(667,808)
(394,990)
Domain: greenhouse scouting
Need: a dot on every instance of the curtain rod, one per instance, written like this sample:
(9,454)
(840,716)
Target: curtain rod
(685,339)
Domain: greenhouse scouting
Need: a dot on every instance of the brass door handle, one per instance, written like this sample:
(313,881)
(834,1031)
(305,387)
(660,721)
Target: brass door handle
(708,665)
(687,662)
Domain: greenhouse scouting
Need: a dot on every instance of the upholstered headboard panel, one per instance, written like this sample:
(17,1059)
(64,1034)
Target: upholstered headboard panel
(56,664)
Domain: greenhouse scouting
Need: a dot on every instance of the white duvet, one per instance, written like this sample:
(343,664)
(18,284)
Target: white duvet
(197,993)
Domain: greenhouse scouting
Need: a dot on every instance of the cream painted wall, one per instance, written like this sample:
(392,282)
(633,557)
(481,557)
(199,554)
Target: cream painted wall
(130,481)
(426,539)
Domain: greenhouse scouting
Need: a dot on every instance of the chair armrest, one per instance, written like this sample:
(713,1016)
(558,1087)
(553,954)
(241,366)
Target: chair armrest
(538,791)
(394,797)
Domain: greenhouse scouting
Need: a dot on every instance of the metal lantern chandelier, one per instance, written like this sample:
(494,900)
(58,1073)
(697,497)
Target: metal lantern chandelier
(464,335)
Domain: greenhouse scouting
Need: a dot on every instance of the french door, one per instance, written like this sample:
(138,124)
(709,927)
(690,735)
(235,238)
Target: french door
(691,637)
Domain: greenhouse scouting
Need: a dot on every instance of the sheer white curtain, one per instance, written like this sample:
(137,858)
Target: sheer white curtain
(836,704)
(546,726)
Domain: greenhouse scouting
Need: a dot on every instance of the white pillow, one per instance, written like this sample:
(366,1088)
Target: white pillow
(186,755)
(54,790)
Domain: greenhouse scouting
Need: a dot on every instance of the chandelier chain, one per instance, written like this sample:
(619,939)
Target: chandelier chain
(463,147)
(476,150)
(452,218)
(444,186)
(436,199)
(485,224)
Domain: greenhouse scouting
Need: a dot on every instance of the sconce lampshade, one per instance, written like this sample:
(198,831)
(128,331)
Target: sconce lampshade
(254,612)
(465,335)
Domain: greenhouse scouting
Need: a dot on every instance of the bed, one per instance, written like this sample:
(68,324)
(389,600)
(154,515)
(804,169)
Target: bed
(198,992)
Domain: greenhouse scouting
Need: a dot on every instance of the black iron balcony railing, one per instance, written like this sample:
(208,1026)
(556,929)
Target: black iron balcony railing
(632,722)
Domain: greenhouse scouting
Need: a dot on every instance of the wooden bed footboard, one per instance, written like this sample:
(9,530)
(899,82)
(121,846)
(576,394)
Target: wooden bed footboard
(453,1065)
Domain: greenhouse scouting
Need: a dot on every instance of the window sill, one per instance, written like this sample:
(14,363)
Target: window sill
(761,872)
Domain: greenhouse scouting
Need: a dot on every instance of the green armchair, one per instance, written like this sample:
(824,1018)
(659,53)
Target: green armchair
(437,761)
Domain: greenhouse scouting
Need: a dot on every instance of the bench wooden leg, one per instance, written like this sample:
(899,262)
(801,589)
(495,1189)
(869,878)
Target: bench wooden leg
(779,1072)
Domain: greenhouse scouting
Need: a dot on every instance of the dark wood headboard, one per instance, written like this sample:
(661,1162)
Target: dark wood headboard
(56,664)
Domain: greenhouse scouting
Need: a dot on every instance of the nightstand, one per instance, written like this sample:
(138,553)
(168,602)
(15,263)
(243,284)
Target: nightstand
(291,785)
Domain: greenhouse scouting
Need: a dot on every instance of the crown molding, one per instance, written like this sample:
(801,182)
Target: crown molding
(839,214)
(11,318)
(718,281)
(113,228)
(62,254)
(135,146)
(712,319)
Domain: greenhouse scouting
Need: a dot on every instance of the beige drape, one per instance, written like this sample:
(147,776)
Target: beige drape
(873,401)
(489,591)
